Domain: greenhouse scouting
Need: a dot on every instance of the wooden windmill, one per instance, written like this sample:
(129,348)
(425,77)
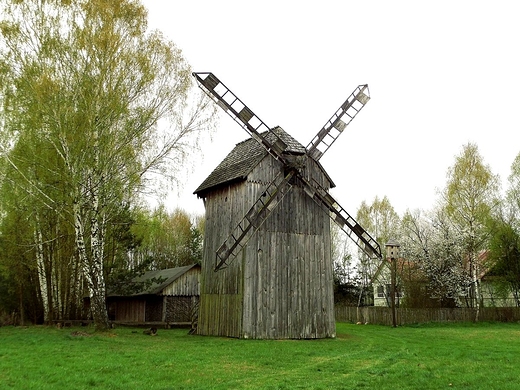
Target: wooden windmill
(267,229)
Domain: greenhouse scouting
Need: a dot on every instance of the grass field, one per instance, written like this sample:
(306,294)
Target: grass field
(454,356)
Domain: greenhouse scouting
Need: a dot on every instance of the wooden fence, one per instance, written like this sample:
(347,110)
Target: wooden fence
(383,315)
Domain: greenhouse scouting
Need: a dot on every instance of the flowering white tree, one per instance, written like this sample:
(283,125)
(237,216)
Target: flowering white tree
(430,240)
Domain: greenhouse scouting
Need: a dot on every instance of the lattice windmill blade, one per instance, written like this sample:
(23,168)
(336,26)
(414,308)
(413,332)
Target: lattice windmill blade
(343,219)
(242,114)
(253,219)
(338,122)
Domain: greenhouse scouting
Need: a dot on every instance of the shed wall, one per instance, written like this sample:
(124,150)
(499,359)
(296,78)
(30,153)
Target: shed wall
(130,310)
(187,284)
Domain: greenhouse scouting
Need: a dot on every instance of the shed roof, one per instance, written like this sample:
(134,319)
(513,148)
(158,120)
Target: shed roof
(167,276)
(244,158)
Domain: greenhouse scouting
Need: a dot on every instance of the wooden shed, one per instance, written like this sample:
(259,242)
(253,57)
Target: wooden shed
(171,296)
(280,285)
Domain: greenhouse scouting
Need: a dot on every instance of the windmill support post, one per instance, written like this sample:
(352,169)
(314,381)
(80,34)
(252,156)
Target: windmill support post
(392,254)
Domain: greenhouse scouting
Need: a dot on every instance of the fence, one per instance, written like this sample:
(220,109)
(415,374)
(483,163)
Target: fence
(383,315)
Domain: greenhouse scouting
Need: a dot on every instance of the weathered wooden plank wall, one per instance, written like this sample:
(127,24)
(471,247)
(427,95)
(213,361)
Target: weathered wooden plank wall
(130,310)
(185,285)
(281,285)
(288,269)
(220,307)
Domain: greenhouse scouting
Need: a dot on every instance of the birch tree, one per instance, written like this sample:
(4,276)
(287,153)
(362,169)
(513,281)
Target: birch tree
(381,220)
(504,245)
(504,258)
(112,100)
(470,197)
(167,239)
(512,200)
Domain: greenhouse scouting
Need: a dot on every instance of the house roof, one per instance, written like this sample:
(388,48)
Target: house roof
(244,158)
(401,265)
(167,276)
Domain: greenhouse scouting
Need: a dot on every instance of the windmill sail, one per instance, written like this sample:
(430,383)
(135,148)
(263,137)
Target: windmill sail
(342,218)
(253,219)
(242,114)
(281,185)
(338,122)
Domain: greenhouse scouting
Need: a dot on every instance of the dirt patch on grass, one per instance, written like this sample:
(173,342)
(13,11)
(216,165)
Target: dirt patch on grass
(79,333)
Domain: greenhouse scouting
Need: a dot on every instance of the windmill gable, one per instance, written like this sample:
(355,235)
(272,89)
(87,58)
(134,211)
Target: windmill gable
(241,161)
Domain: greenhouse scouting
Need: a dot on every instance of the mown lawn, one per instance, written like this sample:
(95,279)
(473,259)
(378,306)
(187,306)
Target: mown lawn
(454,356)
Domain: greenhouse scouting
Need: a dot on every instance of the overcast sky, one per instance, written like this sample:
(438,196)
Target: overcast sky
(440,73)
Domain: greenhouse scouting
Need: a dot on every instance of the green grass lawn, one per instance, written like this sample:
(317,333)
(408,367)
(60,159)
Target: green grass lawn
(454,356)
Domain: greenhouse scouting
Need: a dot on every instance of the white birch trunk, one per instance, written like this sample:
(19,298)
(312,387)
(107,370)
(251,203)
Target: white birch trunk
(92,270)
(75,286)
(56,289)
(97,245)
(59,290)
(42,274)
(476,286)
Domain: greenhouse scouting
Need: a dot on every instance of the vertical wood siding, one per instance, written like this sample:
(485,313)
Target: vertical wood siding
(185,285)
(281,285)
(220,307)
(130,310)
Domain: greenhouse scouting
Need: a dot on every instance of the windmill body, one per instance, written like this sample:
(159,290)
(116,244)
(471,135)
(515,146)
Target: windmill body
(267,229)
(280,285)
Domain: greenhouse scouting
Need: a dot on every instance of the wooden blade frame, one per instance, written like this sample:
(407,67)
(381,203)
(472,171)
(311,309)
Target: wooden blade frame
(280,186)
(342,218)
(338,122)
(237,110)
(254,218)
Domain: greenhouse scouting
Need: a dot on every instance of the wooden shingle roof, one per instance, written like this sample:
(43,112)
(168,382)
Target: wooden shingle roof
(244,158)
(160,279)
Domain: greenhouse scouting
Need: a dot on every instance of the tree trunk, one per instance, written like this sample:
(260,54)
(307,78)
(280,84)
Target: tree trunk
(42,274)
(475,283)
(93,272)
(97,245)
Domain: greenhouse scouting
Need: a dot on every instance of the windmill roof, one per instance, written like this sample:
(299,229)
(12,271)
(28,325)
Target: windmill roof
(244,158)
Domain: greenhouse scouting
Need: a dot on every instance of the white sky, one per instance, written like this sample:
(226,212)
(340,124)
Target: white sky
(440,73)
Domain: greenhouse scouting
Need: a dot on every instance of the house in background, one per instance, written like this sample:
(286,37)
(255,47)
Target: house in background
(412,287)
(381,281)
(169,296)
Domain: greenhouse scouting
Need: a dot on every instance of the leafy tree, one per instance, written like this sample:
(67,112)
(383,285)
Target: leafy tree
(148,240)
(381,220)
(512,200)
(18,272)
(167,239)
(470,197)
(87,83)
(504,258)
(431,243)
